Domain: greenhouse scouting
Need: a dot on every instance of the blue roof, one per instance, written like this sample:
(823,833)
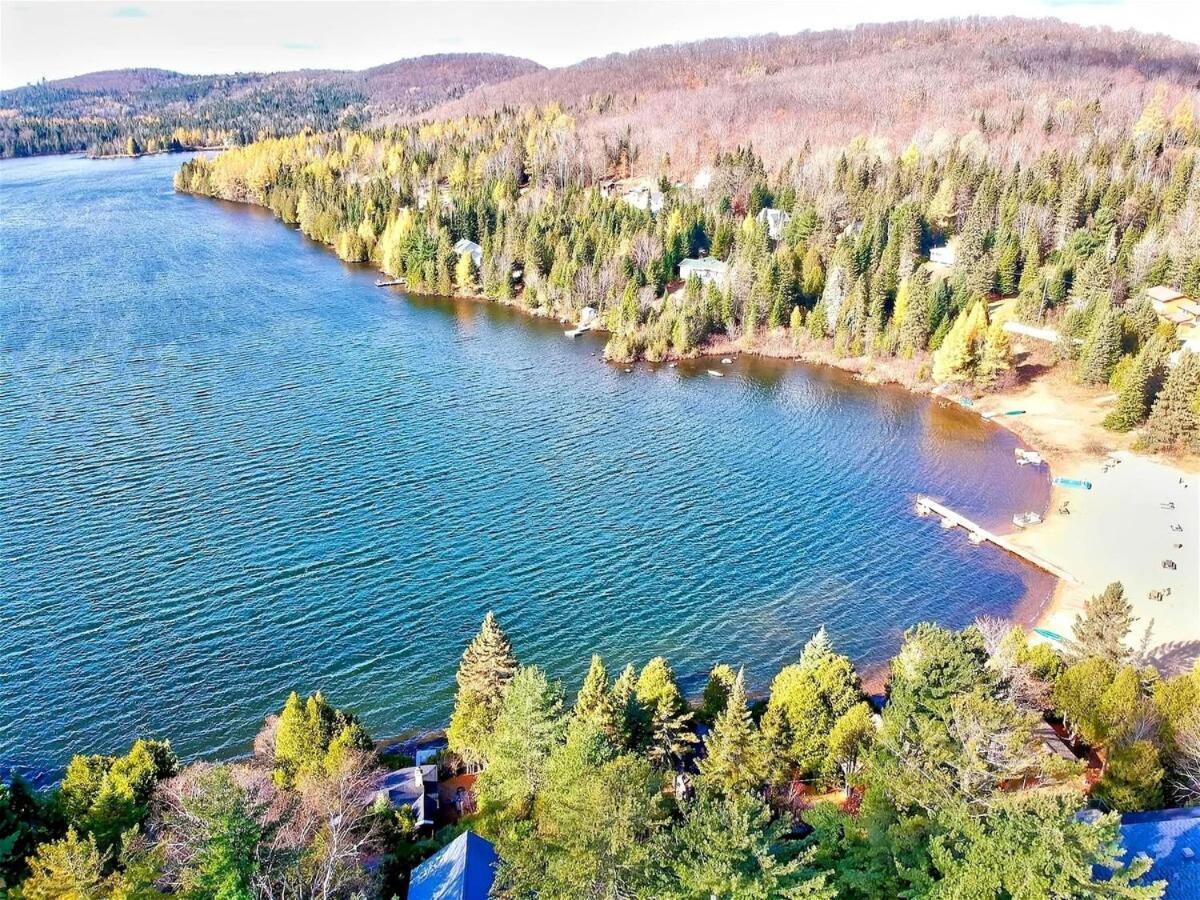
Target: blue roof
(462,870)
(1170,837)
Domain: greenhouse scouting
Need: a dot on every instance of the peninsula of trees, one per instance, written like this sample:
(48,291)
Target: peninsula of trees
(625,788)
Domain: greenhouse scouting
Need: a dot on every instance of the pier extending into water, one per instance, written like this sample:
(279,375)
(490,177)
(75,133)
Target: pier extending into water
(979,535)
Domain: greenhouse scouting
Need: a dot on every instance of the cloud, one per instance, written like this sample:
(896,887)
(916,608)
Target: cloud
(130,12)
(299,45)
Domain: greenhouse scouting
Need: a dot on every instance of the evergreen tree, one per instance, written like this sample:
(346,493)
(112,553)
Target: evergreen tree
(1102,629)
(487,666)
(716,692)
(1175,418)
(1102,349)
(1139,389)
(595,703)
(735,754)
(528,725)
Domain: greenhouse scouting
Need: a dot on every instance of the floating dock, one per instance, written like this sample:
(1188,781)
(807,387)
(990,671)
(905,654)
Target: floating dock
(979,535)
(392,283)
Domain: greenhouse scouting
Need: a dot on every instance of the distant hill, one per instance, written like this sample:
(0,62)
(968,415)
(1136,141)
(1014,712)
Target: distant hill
(1030,79)
(140,110)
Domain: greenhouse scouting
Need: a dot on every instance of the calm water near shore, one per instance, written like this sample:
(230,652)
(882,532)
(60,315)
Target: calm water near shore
(232,467)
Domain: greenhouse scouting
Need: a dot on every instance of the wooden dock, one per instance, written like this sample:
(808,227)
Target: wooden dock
(979,535)
(392,283)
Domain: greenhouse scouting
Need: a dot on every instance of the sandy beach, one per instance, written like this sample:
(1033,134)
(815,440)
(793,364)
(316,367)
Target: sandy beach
(1140,511)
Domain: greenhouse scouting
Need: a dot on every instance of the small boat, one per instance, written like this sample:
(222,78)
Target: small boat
(573,332)
(975,537)
(726,360)
(965,401)
(1073,483)
(1049,635)
(715,374)
(1028,457)
(1015,412)
(672,365)
(1025,519)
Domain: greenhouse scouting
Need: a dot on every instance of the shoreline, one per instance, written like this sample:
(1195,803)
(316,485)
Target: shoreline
(1067,541)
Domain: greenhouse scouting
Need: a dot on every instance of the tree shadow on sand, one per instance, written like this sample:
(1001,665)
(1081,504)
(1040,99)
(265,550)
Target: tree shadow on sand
(1174,657)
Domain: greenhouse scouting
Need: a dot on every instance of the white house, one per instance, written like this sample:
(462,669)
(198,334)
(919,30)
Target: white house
(942,256)
(645,198)
(776,220)
(707,269)
(465,246)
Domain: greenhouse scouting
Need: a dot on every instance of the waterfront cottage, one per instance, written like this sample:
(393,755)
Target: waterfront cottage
(462,870)
(415,787)
(707,269)
(465,246)
(776,221)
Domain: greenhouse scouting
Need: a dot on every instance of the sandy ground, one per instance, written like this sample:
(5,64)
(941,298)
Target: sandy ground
(1120,530)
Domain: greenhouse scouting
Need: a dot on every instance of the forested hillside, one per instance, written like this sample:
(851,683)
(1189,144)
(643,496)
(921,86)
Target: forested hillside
(145,110)
(1024,85)
(1069,239)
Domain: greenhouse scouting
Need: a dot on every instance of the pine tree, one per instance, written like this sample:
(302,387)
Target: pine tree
(488,665)
(735,754)
(1175,418)
(1102,629)
(595,703)
(1103,348)
(716,692)
(1137,393)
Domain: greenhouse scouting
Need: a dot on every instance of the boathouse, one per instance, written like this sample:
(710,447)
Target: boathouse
(462,870)
(707,269)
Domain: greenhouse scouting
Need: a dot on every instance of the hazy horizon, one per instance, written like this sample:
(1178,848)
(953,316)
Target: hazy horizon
(62,40)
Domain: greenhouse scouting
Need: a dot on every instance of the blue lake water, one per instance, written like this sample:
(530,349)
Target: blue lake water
(232,466)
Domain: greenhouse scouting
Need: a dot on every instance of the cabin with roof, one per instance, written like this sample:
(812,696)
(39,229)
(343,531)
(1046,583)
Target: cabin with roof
(465,246)
(415,787)
(776,221)
(1171,839)
(707,269)
(462,870)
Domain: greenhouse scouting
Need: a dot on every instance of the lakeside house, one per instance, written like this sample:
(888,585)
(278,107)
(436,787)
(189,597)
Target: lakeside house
(776,221)
(943,256)
(462,870)
(707,269)
(465,246)
(1171,839)
(415,787)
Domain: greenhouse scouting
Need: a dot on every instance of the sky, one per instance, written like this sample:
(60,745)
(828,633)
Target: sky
(49,39)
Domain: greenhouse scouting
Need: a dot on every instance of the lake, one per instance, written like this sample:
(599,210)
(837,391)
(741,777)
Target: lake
(232,467)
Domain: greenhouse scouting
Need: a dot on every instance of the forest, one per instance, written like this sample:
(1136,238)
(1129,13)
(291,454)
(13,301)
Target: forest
(1069,240)
(627,788)
(135,111)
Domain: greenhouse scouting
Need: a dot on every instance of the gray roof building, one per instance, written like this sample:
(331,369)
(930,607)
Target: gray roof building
(415,787)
